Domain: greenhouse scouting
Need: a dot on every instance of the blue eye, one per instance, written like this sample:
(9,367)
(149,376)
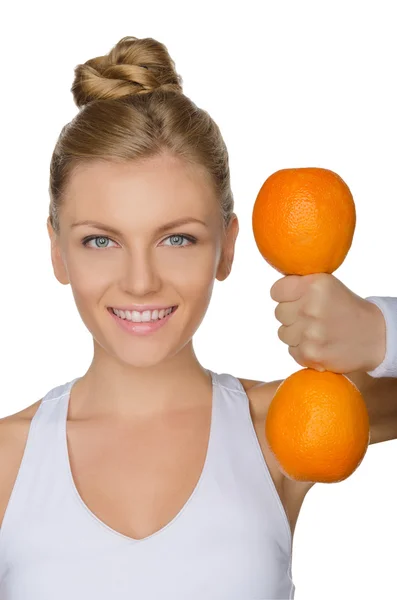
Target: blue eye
(175,236)
(104,238)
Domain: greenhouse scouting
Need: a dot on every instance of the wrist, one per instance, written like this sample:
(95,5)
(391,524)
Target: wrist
(384,313)
(376,327)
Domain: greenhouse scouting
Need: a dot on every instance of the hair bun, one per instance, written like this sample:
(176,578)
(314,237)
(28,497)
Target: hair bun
(133,66)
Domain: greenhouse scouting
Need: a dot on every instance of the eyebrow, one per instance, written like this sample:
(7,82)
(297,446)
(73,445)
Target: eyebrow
(161,229)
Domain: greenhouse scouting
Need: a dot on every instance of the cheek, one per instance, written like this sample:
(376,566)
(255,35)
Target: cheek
(195,282)
(194,270)
(87,276)
(198,286)
(196,291)
(87,285)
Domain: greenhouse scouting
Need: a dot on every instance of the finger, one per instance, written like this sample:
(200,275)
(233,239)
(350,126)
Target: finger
(290,335)
(287,289)
(287,312)
(294,352)
(305,359)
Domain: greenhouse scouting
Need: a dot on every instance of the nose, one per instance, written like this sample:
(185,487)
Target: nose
(140,274)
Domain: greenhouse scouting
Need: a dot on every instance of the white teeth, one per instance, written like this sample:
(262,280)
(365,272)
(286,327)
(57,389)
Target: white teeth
(142,317)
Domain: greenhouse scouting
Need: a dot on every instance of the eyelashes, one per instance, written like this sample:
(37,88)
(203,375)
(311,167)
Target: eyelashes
(190,238)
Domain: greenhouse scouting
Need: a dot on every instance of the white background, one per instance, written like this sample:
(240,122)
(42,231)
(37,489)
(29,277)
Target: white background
(291,84)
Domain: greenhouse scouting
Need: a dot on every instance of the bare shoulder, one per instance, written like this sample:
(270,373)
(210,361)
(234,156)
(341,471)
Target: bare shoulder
(260,394)
(14,431)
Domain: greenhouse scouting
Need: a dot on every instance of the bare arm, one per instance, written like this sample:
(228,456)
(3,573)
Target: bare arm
(380,396)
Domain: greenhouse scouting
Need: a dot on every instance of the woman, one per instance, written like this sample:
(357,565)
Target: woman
(149,476)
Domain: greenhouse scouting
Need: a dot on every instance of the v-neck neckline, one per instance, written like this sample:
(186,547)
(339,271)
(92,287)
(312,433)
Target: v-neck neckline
(110,530)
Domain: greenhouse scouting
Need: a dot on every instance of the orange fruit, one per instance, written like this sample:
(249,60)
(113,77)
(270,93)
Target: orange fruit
(303,220)
(317,426)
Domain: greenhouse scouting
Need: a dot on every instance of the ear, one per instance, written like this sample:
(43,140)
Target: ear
(58,265)
(227,256)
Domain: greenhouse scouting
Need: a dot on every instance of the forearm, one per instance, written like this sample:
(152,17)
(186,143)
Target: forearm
(380,397)
(379,386)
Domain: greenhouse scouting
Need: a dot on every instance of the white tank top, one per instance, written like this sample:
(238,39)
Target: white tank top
(230,541)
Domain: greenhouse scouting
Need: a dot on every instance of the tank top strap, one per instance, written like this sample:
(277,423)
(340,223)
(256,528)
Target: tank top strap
(231,408)
(51,414)
(227,381)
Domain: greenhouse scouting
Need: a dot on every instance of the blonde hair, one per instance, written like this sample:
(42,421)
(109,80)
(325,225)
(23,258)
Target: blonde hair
(132,108)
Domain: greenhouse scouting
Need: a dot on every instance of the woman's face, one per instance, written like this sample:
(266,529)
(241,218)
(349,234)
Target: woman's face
(142,260)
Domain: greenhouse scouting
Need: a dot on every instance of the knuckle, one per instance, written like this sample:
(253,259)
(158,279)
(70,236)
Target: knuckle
(310,351)
(320,280)
(313,333)
(312,309)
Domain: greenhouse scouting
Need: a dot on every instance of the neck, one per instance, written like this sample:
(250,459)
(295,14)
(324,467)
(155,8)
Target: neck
(112,389)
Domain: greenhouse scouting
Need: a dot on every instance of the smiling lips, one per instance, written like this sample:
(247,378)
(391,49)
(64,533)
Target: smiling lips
(145,316)
(141,323)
